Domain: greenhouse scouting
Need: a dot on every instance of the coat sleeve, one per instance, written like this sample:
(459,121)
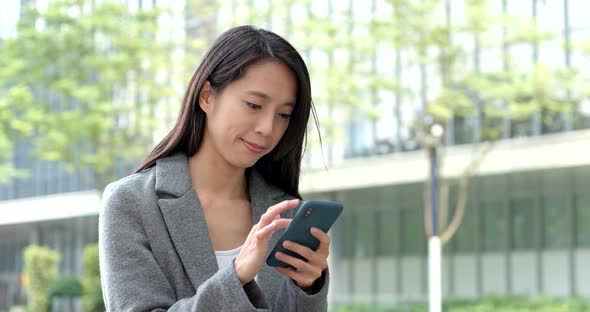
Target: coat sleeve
(131,278)
(292,298)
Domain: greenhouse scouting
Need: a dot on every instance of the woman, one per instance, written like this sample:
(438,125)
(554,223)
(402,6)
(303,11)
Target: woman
(191,229)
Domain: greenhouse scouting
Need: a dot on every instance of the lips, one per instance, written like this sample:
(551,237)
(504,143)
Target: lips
(253,147)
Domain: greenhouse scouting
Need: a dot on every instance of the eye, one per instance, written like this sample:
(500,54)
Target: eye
(285,116)
(252,105)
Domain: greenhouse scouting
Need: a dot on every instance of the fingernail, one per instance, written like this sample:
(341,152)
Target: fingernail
(286,244)
(314,230)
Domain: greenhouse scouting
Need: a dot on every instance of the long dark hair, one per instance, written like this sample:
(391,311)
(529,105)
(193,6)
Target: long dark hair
(225,62)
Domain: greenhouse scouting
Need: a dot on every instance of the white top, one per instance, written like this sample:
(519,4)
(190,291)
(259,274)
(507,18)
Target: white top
(226,258)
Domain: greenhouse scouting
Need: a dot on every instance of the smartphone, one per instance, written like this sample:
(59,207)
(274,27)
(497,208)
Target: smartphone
(311,213)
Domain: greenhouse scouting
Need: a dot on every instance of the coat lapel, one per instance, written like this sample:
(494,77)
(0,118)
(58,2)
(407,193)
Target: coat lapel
(185,220)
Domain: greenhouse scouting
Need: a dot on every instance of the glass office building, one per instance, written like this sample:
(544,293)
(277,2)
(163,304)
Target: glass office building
(524,232)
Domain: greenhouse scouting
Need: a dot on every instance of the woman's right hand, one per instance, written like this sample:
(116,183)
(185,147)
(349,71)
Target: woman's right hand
(251,257)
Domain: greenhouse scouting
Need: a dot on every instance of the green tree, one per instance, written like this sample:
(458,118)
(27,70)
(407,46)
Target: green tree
(454,87)
(95,74)
(13,125)
(40,270)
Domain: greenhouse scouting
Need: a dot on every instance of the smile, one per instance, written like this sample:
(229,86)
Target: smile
(252,147)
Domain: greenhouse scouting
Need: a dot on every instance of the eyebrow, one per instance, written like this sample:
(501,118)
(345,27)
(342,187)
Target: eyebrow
(266,97)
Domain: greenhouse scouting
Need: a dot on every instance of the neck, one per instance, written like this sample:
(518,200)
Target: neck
(214,177)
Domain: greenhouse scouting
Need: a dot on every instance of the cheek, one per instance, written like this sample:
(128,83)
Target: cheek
(230,122)
(221,131)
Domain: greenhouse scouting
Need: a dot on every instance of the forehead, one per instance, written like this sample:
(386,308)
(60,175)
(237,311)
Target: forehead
(269,77)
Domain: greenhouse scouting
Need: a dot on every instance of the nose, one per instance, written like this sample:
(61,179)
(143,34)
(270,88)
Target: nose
(265,124)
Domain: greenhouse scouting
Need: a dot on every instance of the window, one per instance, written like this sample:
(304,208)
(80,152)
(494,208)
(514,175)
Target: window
(551,121)
(583,219)
(464,239)
(388,232)
(342,242)
(364,243)
(556,220)
(411,194)
(491,185)
(495,232)
(556,181)
(466,234)
(412,230)
(522,224)
(521,128)
(464,129)
(387,220)
(356,226)
(525,183)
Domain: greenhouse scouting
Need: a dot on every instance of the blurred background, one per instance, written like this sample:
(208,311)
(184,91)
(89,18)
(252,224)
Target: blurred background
(489,99)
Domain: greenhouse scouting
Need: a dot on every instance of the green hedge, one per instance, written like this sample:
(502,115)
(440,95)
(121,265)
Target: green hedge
(39,271)
(91,289)
(505,304)
(65,287)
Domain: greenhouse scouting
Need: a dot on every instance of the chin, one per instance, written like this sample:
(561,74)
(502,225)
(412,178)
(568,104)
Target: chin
(243,164)
(244,160)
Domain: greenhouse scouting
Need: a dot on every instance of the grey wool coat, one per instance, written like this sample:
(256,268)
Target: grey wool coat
(156,253)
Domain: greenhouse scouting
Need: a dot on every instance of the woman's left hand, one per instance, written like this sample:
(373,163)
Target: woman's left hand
(306,273)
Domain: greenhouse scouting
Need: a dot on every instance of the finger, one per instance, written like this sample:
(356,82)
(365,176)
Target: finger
(314,258)
(303,251)
(267,231)
(298,264)
(324,247)
(275,210)
(301,279)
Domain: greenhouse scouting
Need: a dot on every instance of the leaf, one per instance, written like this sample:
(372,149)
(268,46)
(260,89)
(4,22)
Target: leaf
(440,111)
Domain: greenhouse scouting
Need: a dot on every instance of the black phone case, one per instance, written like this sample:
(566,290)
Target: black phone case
(311,213)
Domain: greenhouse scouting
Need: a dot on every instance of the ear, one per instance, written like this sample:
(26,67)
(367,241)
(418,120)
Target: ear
(206,97)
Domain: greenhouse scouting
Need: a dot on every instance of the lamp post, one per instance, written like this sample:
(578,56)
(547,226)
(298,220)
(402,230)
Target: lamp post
(434,133)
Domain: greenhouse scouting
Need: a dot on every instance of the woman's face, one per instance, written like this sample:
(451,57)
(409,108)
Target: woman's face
(247,119)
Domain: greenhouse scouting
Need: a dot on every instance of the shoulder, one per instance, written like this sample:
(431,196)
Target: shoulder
(129,192)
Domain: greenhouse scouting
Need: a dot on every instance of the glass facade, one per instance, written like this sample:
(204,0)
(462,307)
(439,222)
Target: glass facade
(521,213)
(555,221)
(46,178)
(509,216)
(494,229)
(522,224)
(562,24)
(583,219)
